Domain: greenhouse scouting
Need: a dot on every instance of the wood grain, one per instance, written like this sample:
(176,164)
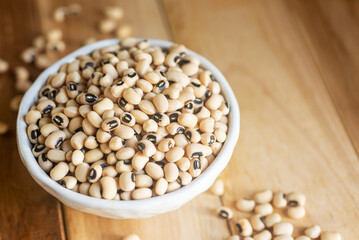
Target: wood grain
(292,138)
(26,210)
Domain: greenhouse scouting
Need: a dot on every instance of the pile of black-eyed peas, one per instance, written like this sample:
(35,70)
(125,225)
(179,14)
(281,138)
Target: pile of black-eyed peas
(129,121)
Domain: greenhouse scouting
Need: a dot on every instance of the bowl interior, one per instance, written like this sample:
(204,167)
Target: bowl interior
(180,196)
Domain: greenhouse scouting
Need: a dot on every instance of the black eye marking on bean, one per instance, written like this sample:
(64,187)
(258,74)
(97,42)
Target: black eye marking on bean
(173,117)
(180,130)
(198,101)
(62,183)
(44,157)
(189,105)
(78,129)
(161,85)
(113,124)
(103,165)
(284,196)
(163,74)
(160,163)
(131,75)
(227,104)
(197,154)
(107,61)
(59,141)
(45,92)
(127,118)
(157,117)
(52,94)
(188,135)
(208,93)
(133,177)
(183,62)
(151,138)
(92,75)
(170,82)
(176,59)
(212,138)
(211,77)
(47,109)
(141,146)
(120,83)
(122,102)
(89,64)
(90,98)
(196,164)
(197,110)
(239,227)
(182,53)
(92,174)
(127,162)
(72,87)
(58,120)
(293,203)
(167,96)
(179,180)
(39,148)
(196,84)
(35,133)
(223,214)
(262,219)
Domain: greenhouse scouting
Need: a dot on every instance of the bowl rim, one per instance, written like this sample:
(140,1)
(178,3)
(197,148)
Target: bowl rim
(188,191)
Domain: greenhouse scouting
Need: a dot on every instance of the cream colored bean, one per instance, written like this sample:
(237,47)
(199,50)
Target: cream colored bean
(95,190)
(143,181)
(225,212)
(150,126)
(44,163)
(195,168)
(94,173)
(115,143)
(139,161)
(279,200)
(245,205)
(183,164)
(55,139)
(197,150)
(78,140)
(166,144)
(283,237)
(154,170)
(272,219)
(330,236)
(184,178)
(218,187)
(109,187)
(90,142)
(296,212)
(207,125)
(147,107)
(171,172)
(174,154)
(244,227)
(141,193)
(125,153)
(264,196)
(302,238)
(124,132)
(93,155)
(257,222)
(173,186)
(56,155)
(295,199)
(264,235)
(146,147)
(161,186)
(68,182)
(110,124)
(313,231)
(94,119)
(283,228)
(81,172)
(59,171)
(263,209)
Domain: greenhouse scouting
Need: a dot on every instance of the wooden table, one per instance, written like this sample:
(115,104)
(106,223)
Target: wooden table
(294,67)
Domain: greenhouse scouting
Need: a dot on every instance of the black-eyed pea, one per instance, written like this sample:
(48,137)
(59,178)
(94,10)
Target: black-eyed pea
(225,212)
(108,114)
(207,125)
(68,182)
(244,227)
(172,92)
(214,102)
(110,70)
(143,181)
(73,78)
(264,209)
(147,107)
(279,200)
(161,119)
(109,188)
(195,168)
(121,66)
(139,161)
(78,140)
(282,228)
(207,138)
(187,120)
(75,125)
(204,162)
(161,103)
(150,126)
(158,156)
(123,166)
(103,105)
(184,178)
(138,129)
(217,188)
(154,170)
(173,186)
(196,150)
(130,76)
(141,193)
(161,132)
(94,118)
(152,77)
(171,172)
(302,237)
(245,205)
(234,237)
(95,190)
(127,119)
(45,106)
(94,173)
(283,237)
(68,156)
(110,124)
(216,115)
(144,85)
(55,139)
(125,153)
(205,78)
(93,155)
(174,105)
(58,80)
(257,222)
(132,142)
(126,195)
(330,236)
(59,171)
(38,149)
(202,113)
(214,87)
(44,163)
(132,237)
(313,232)
(296,212)
(174,154)
(124,132)
(42,121)
(90,142)
(71,111)
(264,196)
(107,26)
(216,148)
(180,140)
(109,171)
(166,144)
(84,110)
(161,186)
(224,120)
(248,238)
(81,172)
(263,235)
(56,155)
(140,117)
(33,132)
(295,199)
(174,128)
(146,147)
(272,219)
(183,164)
(88,128)
(84,188)
(77,157)
(105,148)
(115,143)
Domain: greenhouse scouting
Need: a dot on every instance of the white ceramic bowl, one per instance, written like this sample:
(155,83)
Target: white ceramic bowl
(134,208)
